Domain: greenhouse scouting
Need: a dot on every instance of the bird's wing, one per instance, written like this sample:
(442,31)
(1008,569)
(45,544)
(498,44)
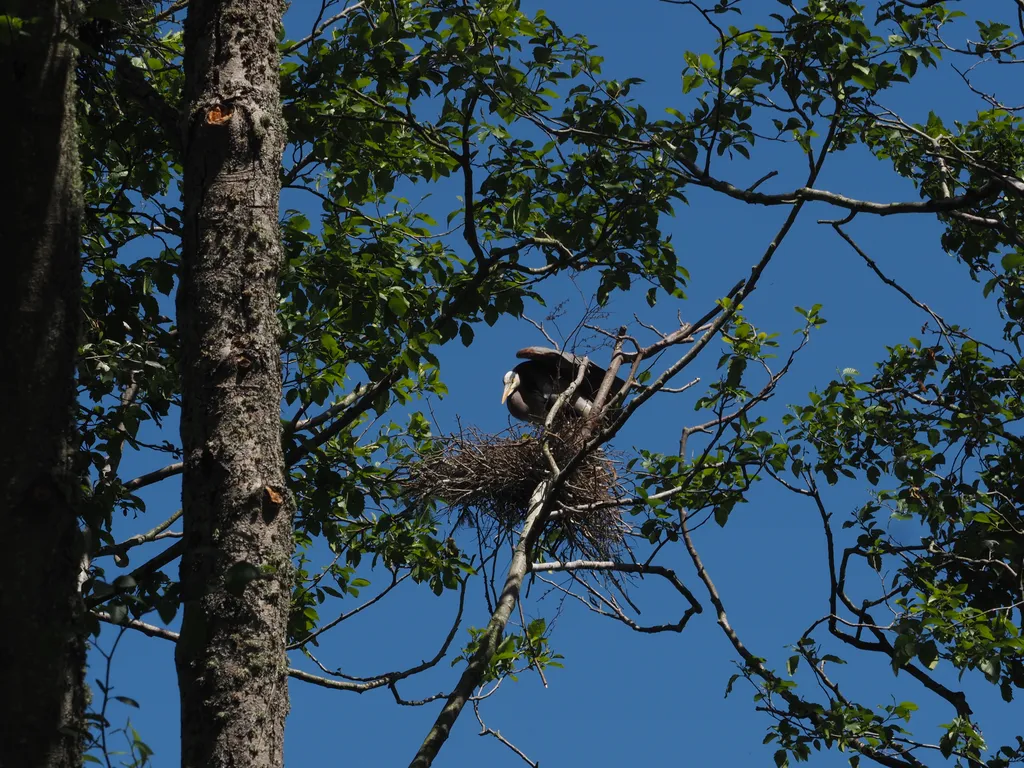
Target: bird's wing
(547,355)
(567,362)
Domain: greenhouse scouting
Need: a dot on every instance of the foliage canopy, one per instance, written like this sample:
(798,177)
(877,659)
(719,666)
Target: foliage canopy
(559,173)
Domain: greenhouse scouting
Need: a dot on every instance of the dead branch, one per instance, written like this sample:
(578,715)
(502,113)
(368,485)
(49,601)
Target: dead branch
(485,731)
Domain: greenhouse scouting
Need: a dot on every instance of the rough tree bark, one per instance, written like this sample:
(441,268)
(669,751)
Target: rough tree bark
(42,654)
(235,567)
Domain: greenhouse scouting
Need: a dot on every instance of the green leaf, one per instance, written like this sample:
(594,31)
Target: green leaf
(118,613)
(125,582)
(736,368)
(990,668)
(729,685)
(1013,260)
(167,609)
(946,744)
(928,654)
(398,303)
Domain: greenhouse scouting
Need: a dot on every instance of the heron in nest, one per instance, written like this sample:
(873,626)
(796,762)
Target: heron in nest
(532,387)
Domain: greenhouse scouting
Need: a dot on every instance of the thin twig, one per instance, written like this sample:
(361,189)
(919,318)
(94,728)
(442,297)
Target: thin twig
(485,731)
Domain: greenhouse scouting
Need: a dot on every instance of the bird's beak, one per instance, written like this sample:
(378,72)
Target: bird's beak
(510,387)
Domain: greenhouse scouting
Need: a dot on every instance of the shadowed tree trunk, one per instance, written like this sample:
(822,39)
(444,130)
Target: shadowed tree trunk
(42,654)
(235,568)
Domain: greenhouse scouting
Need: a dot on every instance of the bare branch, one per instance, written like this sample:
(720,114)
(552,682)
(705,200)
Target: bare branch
(331,624)
(638,568)
(139,626)
(485,731)
(943,326)
(320,27)
(343,685)
(540,327)
(145,570)
(413,702)
(694,174)
(118,550)
(298,425)
(113,457)
(154,477)
(757,667)
(490,639)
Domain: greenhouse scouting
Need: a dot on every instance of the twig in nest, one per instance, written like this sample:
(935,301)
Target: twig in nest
(475,473)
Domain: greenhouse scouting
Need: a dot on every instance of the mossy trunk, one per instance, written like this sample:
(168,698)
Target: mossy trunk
(42,653)
(235,568)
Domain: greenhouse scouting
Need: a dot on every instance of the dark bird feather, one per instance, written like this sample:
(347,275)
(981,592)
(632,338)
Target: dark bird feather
(532,387)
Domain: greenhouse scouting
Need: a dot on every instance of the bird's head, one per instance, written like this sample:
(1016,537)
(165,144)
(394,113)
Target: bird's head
(511,385)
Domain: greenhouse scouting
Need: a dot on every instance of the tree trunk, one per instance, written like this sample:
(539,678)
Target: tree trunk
(42,654)
(235,568)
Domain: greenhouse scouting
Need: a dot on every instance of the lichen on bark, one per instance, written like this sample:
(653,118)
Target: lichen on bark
(231,657)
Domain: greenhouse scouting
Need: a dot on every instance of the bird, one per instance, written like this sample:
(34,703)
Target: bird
(532,387)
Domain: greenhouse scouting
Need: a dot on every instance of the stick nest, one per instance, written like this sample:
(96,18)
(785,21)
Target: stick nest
(481,475)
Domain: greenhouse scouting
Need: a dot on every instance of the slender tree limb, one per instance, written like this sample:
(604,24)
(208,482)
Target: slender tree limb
(485,731)
(348,615)
(614,611)
(694,174)
(154,477)
(313,422)
(320,27)
(169,12)
(616,567)
(757,667)
(118,550)
(362,684)
(347,418)
(148,568)
(873,266)
(413,702)
(381,681)
(489,641)
(113,457)
(150,630)
(958,699)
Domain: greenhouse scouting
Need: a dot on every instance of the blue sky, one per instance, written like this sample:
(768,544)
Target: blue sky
(626,698)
